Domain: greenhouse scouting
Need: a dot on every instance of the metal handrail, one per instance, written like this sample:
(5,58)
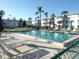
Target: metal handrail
(65,50)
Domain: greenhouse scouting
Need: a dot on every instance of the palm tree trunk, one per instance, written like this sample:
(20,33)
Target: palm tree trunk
(59,26)
(53,23)
(40,20)
(46,21)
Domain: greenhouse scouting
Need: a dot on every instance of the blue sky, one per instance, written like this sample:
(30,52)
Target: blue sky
(27,8)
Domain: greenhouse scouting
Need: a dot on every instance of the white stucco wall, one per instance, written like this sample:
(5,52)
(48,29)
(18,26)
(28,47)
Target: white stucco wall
(75,19)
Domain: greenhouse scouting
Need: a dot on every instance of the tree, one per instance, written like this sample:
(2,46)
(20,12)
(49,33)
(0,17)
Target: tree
(59,22)
(38,21)
(64,13)
(52,21)
(29,23)
(2,13)
(39,12)
(10,16)
(29,19)
(46,14)
(1,25)
(20,22)
(1,21)
(37,17)
(14,19)
(24,23)
(64,18)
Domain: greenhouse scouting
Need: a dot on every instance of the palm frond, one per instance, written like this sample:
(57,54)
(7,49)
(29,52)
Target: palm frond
(53,15)
(46,14)
(64,12)
(36,13)
(42,11)
(2,12)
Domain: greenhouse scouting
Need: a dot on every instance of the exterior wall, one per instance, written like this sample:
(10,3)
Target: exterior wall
(58,19)
(35,22)
(43,23)
(29,23)
(75,19)
(71,17)
(11,23)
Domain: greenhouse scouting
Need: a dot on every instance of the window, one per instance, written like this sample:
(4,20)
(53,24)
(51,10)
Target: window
(66,21)
(78,26)
(78,21)
(72,21)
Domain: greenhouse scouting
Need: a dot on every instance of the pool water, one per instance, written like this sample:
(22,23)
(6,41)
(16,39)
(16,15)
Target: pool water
(53,36)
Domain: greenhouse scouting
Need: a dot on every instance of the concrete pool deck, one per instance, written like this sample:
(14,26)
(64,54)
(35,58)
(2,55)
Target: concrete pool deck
(51,47)
(34,40)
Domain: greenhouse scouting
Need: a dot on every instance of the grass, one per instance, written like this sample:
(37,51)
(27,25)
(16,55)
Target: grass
(29,28)
(19,29)
(25,28)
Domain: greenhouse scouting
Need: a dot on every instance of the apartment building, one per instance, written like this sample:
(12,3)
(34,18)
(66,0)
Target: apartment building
(71,21)
(11,23)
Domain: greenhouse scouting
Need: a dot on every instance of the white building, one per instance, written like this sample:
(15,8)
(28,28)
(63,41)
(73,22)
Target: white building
(72,20)
(35,22)
(75,20)
(29,23)
(11,23)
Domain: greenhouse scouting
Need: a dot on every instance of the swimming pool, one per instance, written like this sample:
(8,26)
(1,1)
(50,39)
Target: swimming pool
(52,36)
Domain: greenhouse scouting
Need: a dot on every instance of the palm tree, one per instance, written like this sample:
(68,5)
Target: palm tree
(38,17)
(39,12)
(46,14)
(2,13)
(10,16)
(59,22)
(30,18)
(24,23)
(38,21)
(52,21)
(64,18)
(20,22)
(14,19)
(30,21)
(64,13)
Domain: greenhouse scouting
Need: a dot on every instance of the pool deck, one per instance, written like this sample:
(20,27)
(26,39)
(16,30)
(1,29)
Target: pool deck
(48,46)
(36,40)
(51,47)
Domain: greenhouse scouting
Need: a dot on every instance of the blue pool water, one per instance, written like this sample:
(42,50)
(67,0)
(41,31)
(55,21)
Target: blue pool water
(58,37)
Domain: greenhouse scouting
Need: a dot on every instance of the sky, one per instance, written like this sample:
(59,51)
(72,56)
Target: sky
(27,8)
